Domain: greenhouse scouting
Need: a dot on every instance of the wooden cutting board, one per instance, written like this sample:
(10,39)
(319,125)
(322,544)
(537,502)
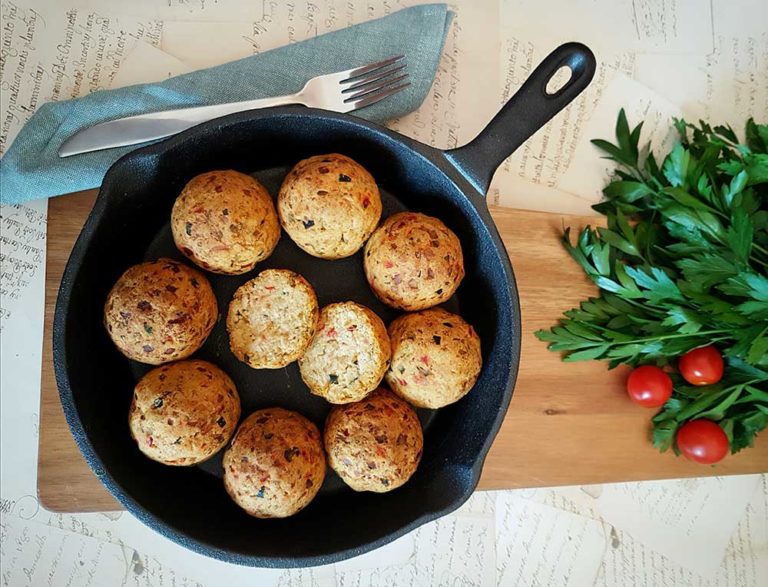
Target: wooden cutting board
(567,424)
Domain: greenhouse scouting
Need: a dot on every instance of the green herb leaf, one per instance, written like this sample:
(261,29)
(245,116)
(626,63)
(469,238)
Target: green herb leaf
(657,283)
(627,191)
(682,263)
(675,166)
(664,434)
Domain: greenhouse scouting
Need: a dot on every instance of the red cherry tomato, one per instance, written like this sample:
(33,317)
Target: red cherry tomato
(703,366)
(702,441)
(649,386)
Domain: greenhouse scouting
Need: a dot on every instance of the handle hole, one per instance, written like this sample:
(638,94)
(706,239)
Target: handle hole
(559,80)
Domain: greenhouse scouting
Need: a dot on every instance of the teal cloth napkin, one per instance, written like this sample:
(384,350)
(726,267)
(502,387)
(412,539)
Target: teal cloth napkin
(31,168)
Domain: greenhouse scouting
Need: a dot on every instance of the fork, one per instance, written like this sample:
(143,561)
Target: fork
(343,91)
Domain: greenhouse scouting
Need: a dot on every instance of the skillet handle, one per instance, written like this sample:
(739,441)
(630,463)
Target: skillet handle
(524,113)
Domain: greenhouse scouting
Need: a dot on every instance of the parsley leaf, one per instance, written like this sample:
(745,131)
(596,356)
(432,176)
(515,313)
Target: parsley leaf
(682,263)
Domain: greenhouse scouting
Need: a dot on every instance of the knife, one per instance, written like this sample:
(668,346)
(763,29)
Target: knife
(142,128)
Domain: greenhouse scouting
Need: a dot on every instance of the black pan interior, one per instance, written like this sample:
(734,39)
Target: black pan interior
(130,224)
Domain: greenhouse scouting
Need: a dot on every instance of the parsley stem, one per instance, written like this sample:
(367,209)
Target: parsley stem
(678,335)
(647,307)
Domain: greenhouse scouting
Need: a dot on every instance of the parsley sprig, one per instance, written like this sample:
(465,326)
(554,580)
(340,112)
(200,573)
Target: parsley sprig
(682,263)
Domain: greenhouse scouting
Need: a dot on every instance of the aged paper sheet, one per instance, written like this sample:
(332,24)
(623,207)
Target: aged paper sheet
(691,521)
(727,85)
(147,64)
(183,10)
(629,561)
(538,544)
(36,554)
(642,26)
(589,172)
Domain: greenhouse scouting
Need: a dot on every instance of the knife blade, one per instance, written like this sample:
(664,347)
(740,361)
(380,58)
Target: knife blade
(142,128)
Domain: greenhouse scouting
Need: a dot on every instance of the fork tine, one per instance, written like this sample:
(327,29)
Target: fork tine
(373,97)
(357,72)
(372,77)
(365,91)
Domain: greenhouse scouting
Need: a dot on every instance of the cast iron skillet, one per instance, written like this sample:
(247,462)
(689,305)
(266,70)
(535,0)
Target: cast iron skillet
(130,223)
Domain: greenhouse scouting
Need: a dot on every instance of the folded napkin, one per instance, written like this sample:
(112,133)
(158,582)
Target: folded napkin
(31,168)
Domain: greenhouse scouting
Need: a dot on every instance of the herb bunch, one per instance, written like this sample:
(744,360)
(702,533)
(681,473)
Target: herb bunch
(683,263)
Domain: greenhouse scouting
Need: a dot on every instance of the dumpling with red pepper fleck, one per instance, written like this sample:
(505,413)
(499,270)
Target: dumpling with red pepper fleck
(160,311)
(225,222)
(413,261)
(374,444)
(184,413)
(329,205)
(272,319)
(275,464)
(348,355)
(435,358)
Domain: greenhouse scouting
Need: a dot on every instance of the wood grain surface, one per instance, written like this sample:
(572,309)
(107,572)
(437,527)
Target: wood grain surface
(567,424)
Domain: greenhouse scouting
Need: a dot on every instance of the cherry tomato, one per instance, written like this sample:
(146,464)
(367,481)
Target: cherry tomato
(702,366)
(702,441)
(649,386)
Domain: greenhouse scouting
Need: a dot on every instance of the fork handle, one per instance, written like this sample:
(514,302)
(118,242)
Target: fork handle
(141,128)
(200,114)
